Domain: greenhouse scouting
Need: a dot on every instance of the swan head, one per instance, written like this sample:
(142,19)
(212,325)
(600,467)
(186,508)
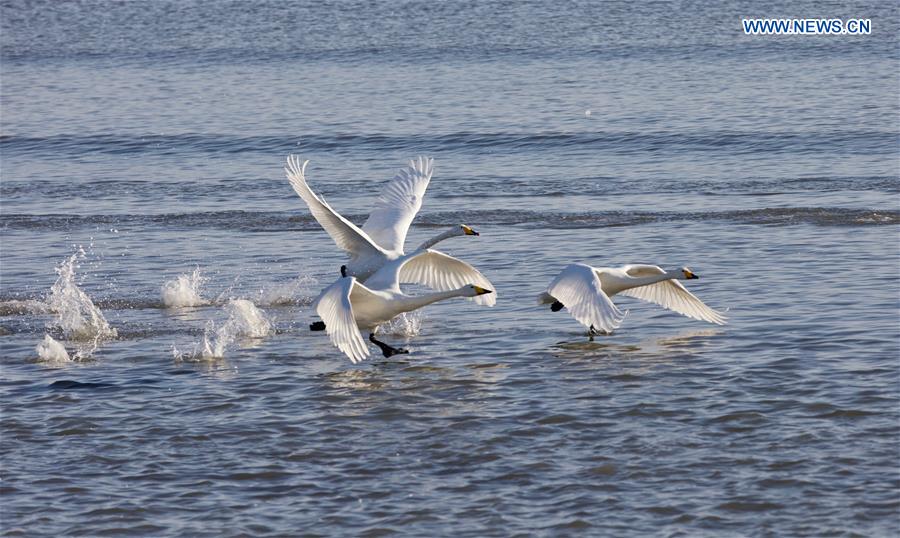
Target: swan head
(688,274)
(474,291)
(467,230)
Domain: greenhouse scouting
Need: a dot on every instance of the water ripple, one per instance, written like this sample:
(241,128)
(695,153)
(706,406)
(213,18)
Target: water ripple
(65,146)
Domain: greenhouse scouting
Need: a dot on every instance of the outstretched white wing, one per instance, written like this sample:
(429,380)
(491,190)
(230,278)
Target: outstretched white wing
(442,272)
(398,204)
(670,294)
(578,288)
(335,309)
(346,235)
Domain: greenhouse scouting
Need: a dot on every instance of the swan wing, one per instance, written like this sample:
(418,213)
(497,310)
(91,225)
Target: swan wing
(336,310)
(578,288)
(672,295)
(438,271)
(346,235)
(398,204)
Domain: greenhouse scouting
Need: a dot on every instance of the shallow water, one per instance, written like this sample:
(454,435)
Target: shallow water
(153,136)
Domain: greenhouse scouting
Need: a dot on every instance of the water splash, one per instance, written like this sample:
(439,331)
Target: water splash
(76,315)
(49,350)
(407,324)
(283,294)
(245,320)
(183,291)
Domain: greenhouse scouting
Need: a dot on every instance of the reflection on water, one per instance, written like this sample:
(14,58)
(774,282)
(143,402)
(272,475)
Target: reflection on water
(652,350)
(689,340)
(353,380)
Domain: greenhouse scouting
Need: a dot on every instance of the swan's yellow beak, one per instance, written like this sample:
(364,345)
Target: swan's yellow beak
(481,291)
(690,275)
(469,231)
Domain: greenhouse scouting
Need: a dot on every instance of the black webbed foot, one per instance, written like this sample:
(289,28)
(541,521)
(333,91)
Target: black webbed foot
(557,306)
(386,350)
(343,271)
(317,326)
(592,332)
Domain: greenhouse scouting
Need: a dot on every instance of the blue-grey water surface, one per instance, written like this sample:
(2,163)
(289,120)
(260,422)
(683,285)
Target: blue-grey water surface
(153,135)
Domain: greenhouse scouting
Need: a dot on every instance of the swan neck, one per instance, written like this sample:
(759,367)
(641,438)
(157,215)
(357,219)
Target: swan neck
(438,238)
(414,303)
(653,279)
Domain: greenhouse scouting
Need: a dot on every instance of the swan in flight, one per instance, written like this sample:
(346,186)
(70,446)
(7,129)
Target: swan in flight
(382,236)
(586,291)
(348,306)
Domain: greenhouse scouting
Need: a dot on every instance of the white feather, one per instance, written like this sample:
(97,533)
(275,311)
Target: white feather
(438,271)
(347,306)
(336,310)
(670,294)
(346,235)
(382,236)
(398,204)
(442,272)
(579,289)
(587,291)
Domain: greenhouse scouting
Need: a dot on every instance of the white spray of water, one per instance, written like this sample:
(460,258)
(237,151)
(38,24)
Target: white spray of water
(50,350)
(244,321)
(407,324)
(282,294)
(183,291)
(76,314)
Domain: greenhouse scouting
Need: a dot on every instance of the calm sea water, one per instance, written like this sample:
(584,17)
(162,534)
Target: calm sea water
(152,135)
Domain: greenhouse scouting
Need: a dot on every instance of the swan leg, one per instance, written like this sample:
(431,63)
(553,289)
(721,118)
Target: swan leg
(557,306)
(317,326)
(386,350)
(593,331)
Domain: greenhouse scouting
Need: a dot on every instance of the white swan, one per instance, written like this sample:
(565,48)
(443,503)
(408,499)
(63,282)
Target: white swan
(382,236)
(585,291)
(348,306)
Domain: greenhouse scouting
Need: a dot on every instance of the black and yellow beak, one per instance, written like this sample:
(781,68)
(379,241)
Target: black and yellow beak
(690,275)
(482,291)
(469,230)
